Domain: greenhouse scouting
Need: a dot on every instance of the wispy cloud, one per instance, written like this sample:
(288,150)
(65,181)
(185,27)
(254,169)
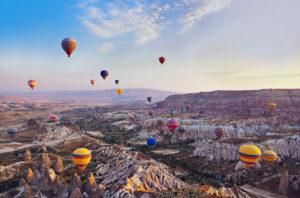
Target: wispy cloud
(106,47)
(144,20)
(202,9)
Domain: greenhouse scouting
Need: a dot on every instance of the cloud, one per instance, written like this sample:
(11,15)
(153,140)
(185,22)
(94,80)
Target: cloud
(145,22)
(106,47)
(201,10)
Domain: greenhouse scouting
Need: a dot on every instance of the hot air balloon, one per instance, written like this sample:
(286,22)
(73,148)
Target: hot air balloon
(160,122)
(150,113)
(149,99)
(12,131)
(162,59)
(182,129)
(269,157)
(32,84)
(92,82)
(151,142)
(81,157)
(219,132)
(131,117)
(272,106)
(69,45)
(249,154)
(172,124)
(52,117)
(172,112)
(182,109)
(117,82)
(104,74)
(154,105)
(120,91)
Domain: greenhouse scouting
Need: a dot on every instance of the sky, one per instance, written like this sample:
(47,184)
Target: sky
(208,44)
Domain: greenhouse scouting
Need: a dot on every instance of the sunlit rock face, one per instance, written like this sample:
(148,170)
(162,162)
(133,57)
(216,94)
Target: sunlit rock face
(130,172)
(58,132)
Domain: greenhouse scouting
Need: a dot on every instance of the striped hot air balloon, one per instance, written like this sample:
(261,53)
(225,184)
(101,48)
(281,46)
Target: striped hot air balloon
(81,157)
(249,154)
(32,84)
(120,91)
(219,132)
(269,157)
(272,106)
(181,129)
(12,131)
(69,45)
(131,117)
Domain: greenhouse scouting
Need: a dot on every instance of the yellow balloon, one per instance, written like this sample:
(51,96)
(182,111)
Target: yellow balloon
(120,91)
(272,106)
(269,157)
(249,154)
(81,157)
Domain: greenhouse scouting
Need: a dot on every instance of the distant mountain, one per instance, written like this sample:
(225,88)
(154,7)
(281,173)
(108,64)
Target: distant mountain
(102,96)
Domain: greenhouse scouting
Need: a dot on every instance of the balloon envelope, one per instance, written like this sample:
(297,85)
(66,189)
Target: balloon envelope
(104,74)
(150,113)
(162,59)
(172,112)
(69,45)
(272,106)
(32,84)
(182,129)
(52,117)
(151,142)
(117,82)
(12,131)
(149,99)
(172,124)
(269,157)
(120,91)
(219,132)
(81,157)
(92,82)
(249,154)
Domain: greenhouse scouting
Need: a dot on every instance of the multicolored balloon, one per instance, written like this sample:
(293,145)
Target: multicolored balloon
(269,157)
(162,59)
(92,82)
(69,45)
(32,84)
(132,117)
(182,129)
(149,99)
(272,106)
(117,82)
(172,124)
(151,142)
(249,154)
(81,157)
(104,74)
(120,91)
(219,132)
(12,131)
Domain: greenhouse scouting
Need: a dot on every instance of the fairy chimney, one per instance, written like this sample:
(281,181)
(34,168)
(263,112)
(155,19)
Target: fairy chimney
(58,165)
(27,155)
(29,177)
(44,148)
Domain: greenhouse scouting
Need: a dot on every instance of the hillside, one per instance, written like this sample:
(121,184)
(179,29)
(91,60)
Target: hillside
(100,96)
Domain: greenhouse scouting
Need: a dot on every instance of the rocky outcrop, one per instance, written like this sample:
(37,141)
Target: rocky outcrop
(284,181)
(46,161)
(32,124)
(76,181)
(76,193)
(58,132)
(30,176)
(58,165)
(27,155)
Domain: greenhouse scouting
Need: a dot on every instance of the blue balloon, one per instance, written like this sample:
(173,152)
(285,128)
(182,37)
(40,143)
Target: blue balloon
(182,129)
(151,142)
(117,81)
(172,112)
(149,99)
(104,74)
(12,131)
(182,109)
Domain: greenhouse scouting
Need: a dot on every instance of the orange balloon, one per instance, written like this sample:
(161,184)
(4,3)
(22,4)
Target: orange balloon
(120,91)
(69,45)
(92,82)
(162,59)
(32,84)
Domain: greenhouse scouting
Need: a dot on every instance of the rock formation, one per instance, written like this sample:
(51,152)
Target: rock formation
(27,155)
(30,176)
(58,165)
(46,161)
(284,180)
